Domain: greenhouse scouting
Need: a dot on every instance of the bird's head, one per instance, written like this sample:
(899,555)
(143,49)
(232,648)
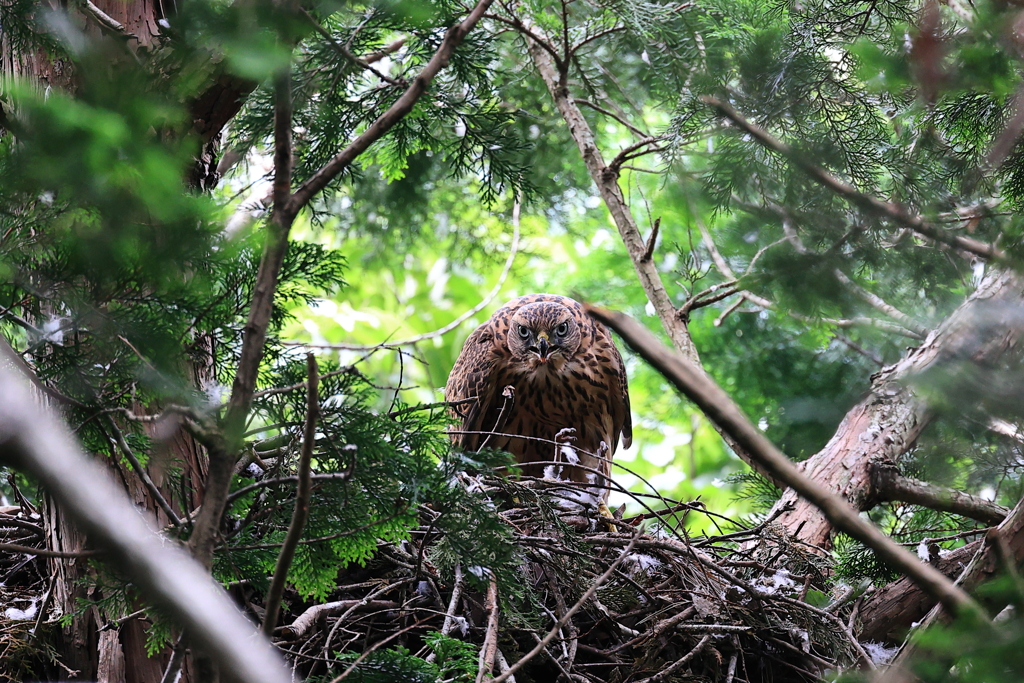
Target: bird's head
(543,333)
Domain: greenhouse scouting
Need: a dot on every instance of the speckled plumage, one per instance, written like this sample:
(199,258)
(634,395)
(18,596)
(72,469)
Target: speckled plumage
(576,381)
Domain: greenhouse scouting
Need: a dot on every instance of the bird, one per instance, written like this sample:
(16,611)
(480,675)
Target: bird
(543,381)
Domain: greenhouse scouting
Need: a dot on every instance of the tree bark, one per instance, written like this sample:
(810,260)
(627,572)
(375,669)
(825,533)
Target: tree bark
(888,422)
(888,614)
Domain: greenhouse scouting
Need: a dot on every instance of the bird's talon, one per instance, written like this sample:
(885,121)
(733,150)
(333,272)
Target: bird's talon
(603,510)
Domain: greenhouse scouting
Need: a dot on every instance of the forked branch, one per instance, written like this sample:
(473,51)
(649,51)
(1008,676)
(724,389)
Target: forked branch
(717,405)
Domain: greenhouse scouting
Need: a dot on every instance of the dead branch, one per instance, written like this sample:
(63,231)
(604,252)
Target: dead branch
(308,619)
(717,405)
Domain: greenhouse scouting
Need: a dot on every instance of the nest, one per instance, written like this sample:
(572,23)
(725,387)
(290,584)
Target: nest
(23,591)
(587,599)
(595,600)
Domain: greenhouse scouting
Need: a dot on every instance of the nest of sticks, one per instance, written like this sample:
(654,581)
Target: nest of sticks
(24,591)
(631,600)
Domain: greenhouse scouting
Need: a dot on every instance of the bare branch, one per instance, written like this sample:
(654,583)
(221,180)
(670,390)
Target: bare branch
(302,499)
(717,405)
(384,51)
(651,241)
(147,481)
(723,267)
(891,485)
(43,552)
(527,31)
(606,181)
(889,210)
(881,305)
(104,19)
(665,673)
(612,115)
(37,443)
(632,152)
(308,619)
(490,645)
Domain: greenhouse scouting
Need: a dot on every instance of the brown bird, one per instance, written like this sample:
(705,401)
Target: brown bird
(564,373)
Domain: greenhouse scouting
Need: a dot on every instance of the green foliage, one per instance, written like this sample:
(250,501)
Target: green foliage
(387,666)
(119,285)
(967,650)
(456,661)
(462,119)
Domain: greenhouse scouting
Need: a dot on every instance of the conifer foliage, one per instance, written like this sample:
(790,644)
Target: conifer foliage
(838,180)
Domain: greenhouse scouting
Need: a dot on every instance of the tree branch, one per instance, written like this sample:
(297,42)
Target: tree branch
(319,180)
(147,481)
(889,420)
(490,645)
(302,497)
(889,210)
(612,115)
(717,405)
(285,207)
(872,299)
(607,183)
(35,442)
(889,484)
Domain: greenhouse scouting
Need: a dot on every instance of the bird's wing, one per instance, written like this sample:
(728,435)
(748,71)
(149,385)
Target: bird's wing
(618,368)
(474,377)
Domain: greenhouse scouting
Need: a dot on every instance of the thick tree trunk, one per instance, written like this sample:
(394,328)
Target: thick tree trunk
(888,422)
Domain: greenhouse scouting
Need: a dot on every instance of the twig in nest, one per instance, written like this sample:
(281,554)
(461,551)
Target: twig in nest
(676,666)
(370,650)
(509,394)
(449,617)
(571,611)
(490,647)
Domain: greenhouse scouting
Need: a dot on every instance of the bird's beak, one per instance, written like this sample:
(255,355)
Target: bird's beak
(542,344)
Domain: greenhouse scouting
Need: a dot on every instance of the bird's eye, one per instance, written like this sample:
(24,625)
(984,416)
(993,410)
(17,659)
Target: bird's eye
(562,329)
(523,331)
